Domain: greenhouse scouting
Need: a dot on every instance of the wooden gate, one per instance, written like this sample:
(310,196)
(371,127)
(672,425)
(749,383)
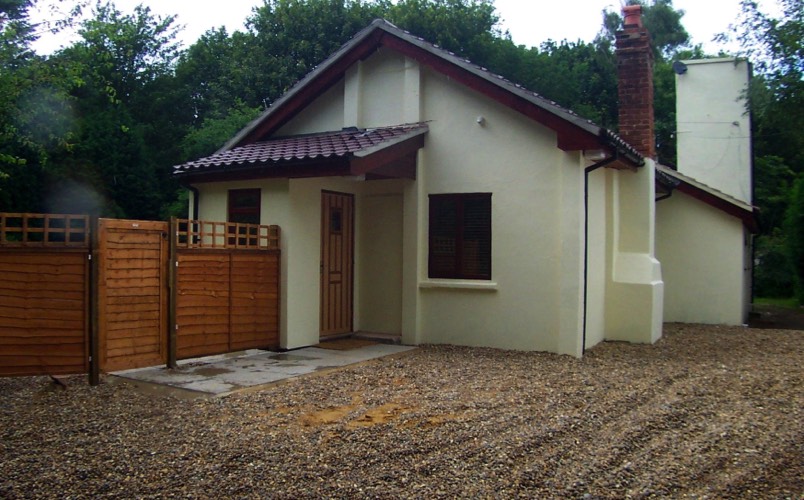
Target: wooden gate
(44,294)
(226,287)
(132,293)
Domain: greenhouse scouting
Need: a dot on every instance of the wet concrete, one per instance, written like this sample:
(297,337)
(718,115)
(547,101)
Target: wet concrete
(233,372)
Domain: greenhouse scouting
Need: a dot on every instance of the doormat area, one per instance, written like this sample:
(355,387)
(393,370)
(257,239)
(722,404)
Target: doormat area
(345,344)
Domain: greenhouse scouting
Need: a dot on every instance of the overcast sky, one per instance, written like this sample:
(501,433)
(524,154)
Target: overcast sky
(530,22)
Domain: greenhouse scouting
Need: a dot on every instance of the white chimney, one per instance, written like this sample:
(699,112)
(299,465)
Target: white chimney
(713,129)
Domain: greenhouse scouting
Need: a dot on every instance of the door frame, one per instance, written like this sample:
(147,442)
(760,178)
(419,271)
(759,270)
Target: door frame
(348,259)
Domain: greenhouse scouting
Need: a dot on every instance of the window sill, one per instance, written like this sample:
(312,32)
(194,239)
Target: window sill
(484,285)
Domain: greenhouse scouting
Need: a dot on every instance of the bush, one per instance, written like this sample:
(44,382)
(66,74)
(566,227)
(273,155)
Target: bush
(794,230)
(773,274)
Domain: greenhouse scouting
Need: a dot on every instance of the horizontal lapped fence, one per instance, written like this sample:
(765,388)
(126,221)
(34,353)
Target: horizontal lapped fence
(79,295)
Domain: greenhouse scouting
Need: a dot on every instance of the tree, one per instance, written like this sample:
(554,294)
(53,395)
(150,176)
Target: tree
(34,110)
(794,227)
(775,45)
(776,48)
(667,33)
(466,27)
(124,108)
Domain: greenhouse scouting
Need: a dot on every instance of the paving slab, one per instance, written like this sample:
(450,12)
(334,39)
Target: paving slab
(227,373)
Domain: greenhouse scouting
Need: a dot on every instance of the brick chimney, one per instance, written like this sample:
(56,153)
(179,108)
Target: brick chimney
(635,83)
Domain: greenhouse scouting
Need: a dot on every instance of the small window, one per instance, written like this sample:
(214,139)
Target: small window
(460,236)
(244,208)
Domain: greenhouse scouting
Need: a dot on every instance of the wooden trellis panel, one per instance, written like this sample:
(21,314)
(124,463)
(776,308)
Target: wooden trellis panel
(44,294)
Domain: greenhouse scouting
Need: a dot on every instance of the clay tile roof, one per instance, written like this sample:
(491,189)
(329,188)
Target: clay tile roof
(346,142)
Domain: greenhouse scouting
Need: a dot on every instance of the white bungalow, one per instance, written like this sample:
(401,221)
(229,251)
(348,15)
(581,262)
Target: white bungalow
(423,197)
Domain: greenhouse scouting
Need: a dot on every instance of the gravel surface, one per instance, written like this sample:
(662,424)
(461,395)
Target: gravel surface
(706,412)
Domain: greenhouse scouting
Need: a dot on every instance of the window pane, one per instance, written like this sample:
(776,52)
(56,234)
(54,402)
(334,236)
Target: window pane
(443,237)
(460,236)
(245,198)
(244,206)
(476,244)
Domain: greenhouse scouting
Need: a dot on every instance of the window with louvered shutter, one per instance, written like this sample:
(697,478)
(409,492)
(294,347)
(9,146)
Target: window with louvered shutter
(244,207)
(460,236)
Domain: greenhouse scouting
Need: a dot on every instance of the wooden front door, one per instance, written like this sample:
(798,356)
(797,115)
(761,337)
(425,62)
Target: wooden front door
(337,262)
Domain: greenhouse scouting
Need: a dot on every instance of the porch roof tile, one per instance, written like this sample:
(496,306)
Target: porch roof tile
(346,142)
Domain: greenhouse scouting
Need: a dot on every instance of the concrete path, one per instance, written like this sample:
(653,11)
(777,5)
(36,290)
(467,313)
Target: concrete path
(227,373)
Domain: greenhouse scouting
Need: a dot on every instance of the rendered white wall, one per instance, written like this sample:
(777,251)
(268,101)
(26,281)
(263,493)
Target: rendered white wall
(713,128)
(379,268)
(634,290)
(703,255)
(518,162)
(324,114)
(382,90)
(596,260)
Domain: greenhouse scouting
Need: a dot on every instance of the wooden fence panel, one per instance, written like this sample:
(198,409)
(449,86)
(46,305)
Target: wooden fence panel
(227,292)
(43,311)
(226,300)
(254,310)
(132,293)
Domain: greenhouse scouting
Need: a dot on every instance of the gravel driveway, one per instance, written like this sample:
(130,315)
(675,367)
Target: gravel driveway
(706,412)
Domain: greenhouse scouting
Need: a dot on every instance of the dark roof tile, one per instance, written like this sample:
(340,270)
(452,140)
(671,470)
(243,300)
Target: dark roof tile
(304,147)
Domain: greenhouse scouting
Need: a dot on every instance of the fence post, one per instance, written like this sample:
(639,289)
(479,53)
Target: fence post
(94,347)
(172,293)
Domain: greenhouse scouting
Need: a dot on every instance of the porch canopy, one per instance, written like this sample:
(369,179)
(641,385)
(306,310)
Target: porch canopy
(376,153)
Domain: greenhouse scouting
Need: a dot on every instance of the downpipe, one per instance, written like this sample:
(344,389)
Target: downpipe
(588,170)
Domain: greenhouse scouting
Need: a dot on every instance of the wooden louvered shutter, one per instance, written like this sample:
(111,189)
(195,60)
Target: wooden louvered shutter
(460,236)
(443,236)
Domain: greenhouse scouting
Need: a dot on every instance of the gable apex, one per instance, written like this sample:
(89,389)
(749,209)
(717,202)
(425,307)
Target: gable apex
(574,132)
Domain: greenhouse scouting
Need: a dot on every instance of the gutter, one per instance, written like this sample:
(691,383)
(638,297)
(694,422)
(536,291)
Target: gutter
(669,183)
(586,172)
(196,200)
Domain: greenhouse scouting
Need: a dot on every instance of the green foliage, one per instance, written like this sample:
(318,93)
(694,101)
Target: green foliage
(773,179)
(34,110)
(214,132)
(465,27)
(579,76)
(663,22)
(775,46)
(178,207)
(789,303)
(15,9)
(105,119)
(122,95)
(794,227)
(773,274)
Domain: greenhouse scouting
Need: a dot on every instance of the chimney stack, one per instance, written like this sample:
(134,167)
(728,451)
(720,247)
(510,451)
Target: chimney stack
(635,83)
